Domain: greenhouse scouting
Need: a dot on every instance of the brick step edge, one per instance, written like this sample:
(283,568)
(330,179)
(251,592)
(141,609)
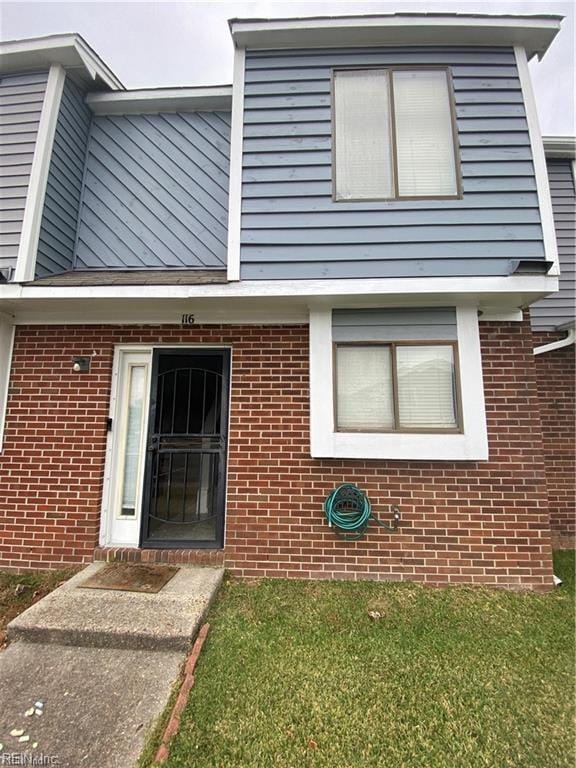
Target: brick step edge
(173,725)
(177,556)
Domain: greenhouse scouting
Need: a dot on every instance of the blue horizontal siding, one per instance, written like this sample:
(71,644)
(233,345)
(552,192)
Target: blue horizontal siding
(394,324)
(63,189)
(292,228)
(560,307)
(397,251)
(156,192)
(385,266)
(21,101)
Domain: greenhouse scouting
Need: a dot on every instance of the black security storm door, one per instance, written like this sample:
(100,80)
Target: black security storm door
(184,488)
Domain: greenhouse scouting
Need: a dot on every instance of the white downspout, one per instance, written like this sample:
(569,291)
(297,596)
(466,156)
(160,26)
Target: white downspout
(557,344)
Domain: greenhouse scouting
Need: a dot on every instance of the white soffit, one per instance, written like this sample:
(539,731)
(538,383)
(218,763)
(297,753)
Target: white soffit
(560,146)
(149,100)
(534,33)
(70,50)
(274,299)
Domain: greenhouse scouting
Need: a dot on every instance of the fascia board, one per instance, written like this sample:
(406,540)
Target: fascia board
(69,50)
(534,33)
(153,100)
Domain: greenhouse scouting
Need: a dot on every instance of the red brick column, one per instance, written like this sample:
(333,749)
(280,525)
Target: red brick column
(462,522)
(556,388)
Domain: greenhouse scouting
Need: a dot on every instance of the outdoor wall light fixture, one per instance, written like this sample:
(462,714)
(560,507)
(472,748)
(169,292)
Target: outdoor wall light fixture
(81,364)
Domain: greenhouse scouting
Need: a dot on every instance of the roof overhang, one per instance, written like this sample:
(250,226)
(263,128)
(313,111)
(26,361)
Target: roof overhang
(152,100)
(534,32)
(560,146)
(71,51)
(276,300)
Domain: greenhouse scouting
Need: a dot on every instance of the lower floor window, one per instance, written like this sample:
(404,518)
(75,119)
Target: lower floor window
(397,383)
(396,387)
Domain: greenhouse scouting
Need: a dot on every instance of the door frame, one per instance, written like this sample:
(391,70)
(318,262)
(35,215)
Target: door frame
(218,543)
(113,469)
(112,454)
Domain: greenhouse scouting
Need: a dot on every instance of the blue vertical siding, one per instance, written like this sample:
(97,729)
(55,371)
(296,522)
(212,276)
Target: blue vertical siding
(63,189)
(560,307)
(292,228)
(155,192)
(21,101)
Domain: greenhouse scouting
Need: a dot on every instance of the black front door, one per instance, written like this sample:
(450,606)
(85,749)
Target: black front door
(185,479)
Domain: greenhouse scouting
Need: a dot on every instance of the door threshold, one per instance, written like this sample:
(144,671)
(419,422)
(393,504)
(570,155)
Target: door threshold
(165,555)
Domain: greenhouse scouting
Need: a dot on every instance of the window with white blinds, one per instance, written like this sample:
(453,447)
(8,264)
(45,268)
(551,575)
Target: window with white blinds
(396,387)
(426,387)
(133,439)
(393,135)
(424,141)
(364,388)
(362,126)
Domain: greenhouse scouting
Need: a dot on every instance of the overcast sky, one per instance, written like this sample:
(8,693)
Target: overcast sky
(188,43)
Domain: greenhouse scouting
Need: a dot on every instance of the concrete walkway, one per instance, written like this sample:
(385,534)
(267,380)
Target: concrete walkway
(102,664)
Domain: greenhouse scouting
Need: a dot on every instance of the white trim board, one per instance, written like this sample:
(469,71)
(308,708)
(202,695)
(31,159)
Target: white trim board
(107,484)
(489,315)
(161,313)
(539,161)
(70,50)
(27,251)
(271,303)
(236,148)
(325,442)
(535,32)
(531,285)
(152,100)
(6,348)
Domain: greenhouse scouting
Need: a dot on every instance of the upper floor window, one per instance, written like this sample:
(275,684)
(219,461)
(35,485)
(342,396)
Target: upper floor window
(394,135)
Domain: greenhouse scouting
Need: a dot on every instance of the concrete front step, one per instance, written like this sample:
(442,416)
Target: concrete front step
(165,621)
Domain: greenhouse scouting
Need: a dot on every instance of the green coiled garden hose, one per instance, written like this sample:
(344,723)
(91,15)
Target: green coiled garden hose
(348,509)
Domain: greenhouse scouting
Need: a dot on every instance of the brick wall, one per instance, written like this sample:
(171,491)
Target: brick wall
(556,378)
(461,522)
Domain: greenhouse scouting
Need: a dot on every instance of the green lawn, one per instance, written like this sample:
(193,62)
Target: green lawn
(296,674)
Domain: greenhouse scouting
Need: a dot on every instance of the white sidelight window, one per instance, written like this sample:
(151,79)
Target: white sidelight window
(132,438)
(126,455)
(394,135)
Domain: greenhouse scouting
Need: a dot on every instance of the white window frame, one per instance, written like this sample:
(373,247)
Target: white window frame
(325,442)
(394,347)
(122,427)
(116,529)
